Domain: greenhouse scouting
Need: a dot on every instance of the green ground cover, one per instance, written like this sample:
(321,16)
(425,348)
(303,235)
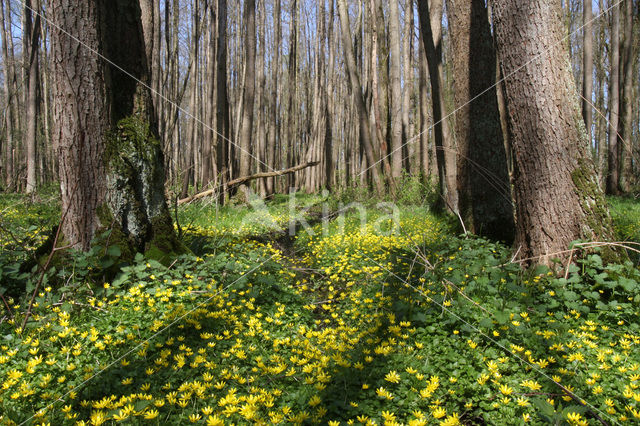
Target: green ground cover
(393,319)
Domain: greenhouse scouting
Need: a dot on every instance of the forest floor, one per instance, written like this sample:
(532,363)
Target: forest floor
(391,318)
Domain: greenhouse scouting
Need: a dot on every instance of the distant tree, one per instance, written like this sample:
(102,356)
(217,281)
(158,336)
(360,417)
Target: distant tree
(587,66)
(111,163)
(430,14)
(558,198)
(356,88)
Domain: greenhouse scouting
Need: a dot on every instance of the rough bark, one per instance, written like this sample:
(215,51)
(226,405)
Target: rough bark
(111,163)
(558,199)
(483,181)
(356,89)
(81,116)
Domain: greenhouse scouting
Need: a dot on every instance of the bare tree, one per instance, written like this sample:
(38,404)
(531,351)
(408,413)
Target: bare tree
(614,104)
(396,90)
(31,50)
(587,66)
(625,150)
(248,90)
(356,88)
(430,14)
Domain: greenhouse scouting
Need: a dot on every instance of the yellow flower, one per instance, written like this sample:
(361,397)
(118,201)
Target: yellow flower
(151,414)
(506,389)
(392,377)
(439,412)
(214,421)
(451,420)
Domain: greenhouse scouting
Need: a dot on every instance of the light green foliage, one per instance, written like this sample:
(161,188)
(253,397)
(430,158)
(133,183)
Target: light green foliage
(394,322)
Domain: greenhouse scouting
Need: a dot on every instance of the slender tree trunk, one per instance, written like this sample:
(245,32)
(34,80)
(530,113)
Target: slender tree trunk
(425,121)
(558,199)
(483,181)
(409,151)
(626,102)
(223,130)
(587,67)
(31,48)
(248,90)
(9,76)
(274,128)
(614,104)
(396,91)
(356,89)
(430,14)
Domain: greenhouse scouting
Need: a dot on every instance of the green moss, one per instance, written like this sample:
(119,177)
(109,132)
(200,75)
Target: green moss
(598,225)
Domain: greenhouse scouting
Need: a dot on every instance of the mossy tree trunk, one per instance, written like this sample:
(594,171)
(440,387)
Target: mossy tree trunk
(106,127)
(558,198)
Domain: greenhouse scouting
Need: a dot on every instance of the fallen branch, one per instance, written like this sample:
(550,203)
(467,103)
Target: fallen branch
(244,179)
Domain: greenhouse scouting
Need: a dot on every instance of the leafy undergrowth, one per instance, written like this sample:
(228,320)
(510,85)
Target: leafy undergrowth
(357,320)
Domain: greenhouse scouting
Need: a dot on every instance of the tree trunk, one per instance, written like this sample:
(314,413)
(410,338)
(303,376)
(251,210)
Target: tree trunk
(9,76)
(614,104)
(409,150)
(248,89)
(430,14)
(558,199)
(483,181)
(31,49)
(274,127)
(111,164)
(81,116)
(396,91)
(356,89)
(625,139)
(425,121)
(587,67)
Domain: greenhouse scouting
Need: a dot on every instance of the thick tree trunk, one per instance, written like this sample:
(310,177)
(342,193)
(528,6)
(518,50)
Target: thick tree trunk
(430,14)
(558,199)
(81,116)
(483,181)
(111,163)
(587,66)
(356,89)
(614,104)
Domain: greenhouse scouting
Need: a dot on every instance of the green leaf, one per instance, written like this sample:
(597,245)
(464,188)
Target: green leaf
(543,406)
(114,251)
